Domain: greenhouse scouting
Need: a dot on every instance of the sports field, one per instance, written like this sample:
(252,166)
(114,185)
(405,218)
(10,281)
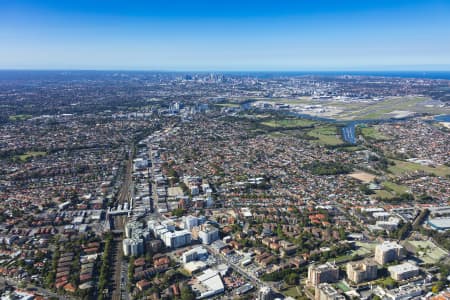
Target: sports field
(429,252)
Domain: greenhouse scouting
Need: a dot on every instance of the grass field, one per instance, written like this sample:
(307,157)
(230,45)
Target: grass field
(396,188)
(402,167)
(364,248)
(19,117)
(428,251)
(342,286)
(327,135)
(342,259)
(383,194)
(30,154)
(277,134)
(372,133)
(288,123)
(228,104)
(292,292)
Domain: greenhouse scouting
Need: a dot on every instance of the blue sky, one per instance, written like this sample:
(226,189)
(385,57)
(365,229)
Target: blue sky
(225,35)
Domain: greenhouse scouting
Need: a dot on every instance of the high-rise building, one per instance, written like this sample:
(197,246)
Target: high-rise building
(388,251)
(362,271)
(323,273)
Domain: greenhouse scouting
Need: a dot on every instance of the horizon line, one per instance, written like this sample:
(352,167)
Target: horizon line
(174,70)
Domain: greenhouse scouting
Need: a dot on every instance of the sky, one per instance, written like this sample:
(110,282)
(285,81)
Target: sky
(290,35)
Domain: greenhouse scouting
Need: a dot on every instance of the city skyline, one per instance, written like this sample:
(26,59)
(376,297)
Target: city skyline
(254,36)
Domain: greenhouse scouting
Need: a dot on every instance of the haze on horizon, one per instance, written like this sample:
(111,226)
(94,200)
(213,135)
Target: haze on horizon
(231,35)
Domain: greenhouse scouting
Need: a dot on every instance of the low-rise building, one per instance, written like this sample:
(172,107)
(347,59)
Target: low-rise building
(403,271)
(325,291)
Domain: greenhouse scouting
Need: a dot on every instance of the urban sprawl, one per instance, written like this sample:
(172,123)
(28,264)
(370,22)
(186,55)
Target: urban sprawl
(141,185)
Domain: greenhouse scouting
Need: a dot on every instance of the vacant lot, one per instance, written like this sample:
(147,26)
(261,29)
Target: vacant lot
(363,176)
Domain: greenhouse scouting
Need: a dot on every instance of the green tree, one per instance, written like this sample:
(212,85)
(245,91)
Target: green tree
(292,279)
(186,293)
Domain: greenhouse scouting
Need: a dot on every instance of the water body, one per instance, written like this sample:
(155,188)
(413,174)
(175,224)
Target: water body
(442,118)
(400,74)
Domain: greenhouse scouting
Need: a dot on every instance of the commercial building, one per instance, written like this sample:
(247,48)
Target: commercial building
(442,223)
(325,273)
(362,271)
(387,252)
(195,266)
(208,284)
(403,271)
(325,291)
